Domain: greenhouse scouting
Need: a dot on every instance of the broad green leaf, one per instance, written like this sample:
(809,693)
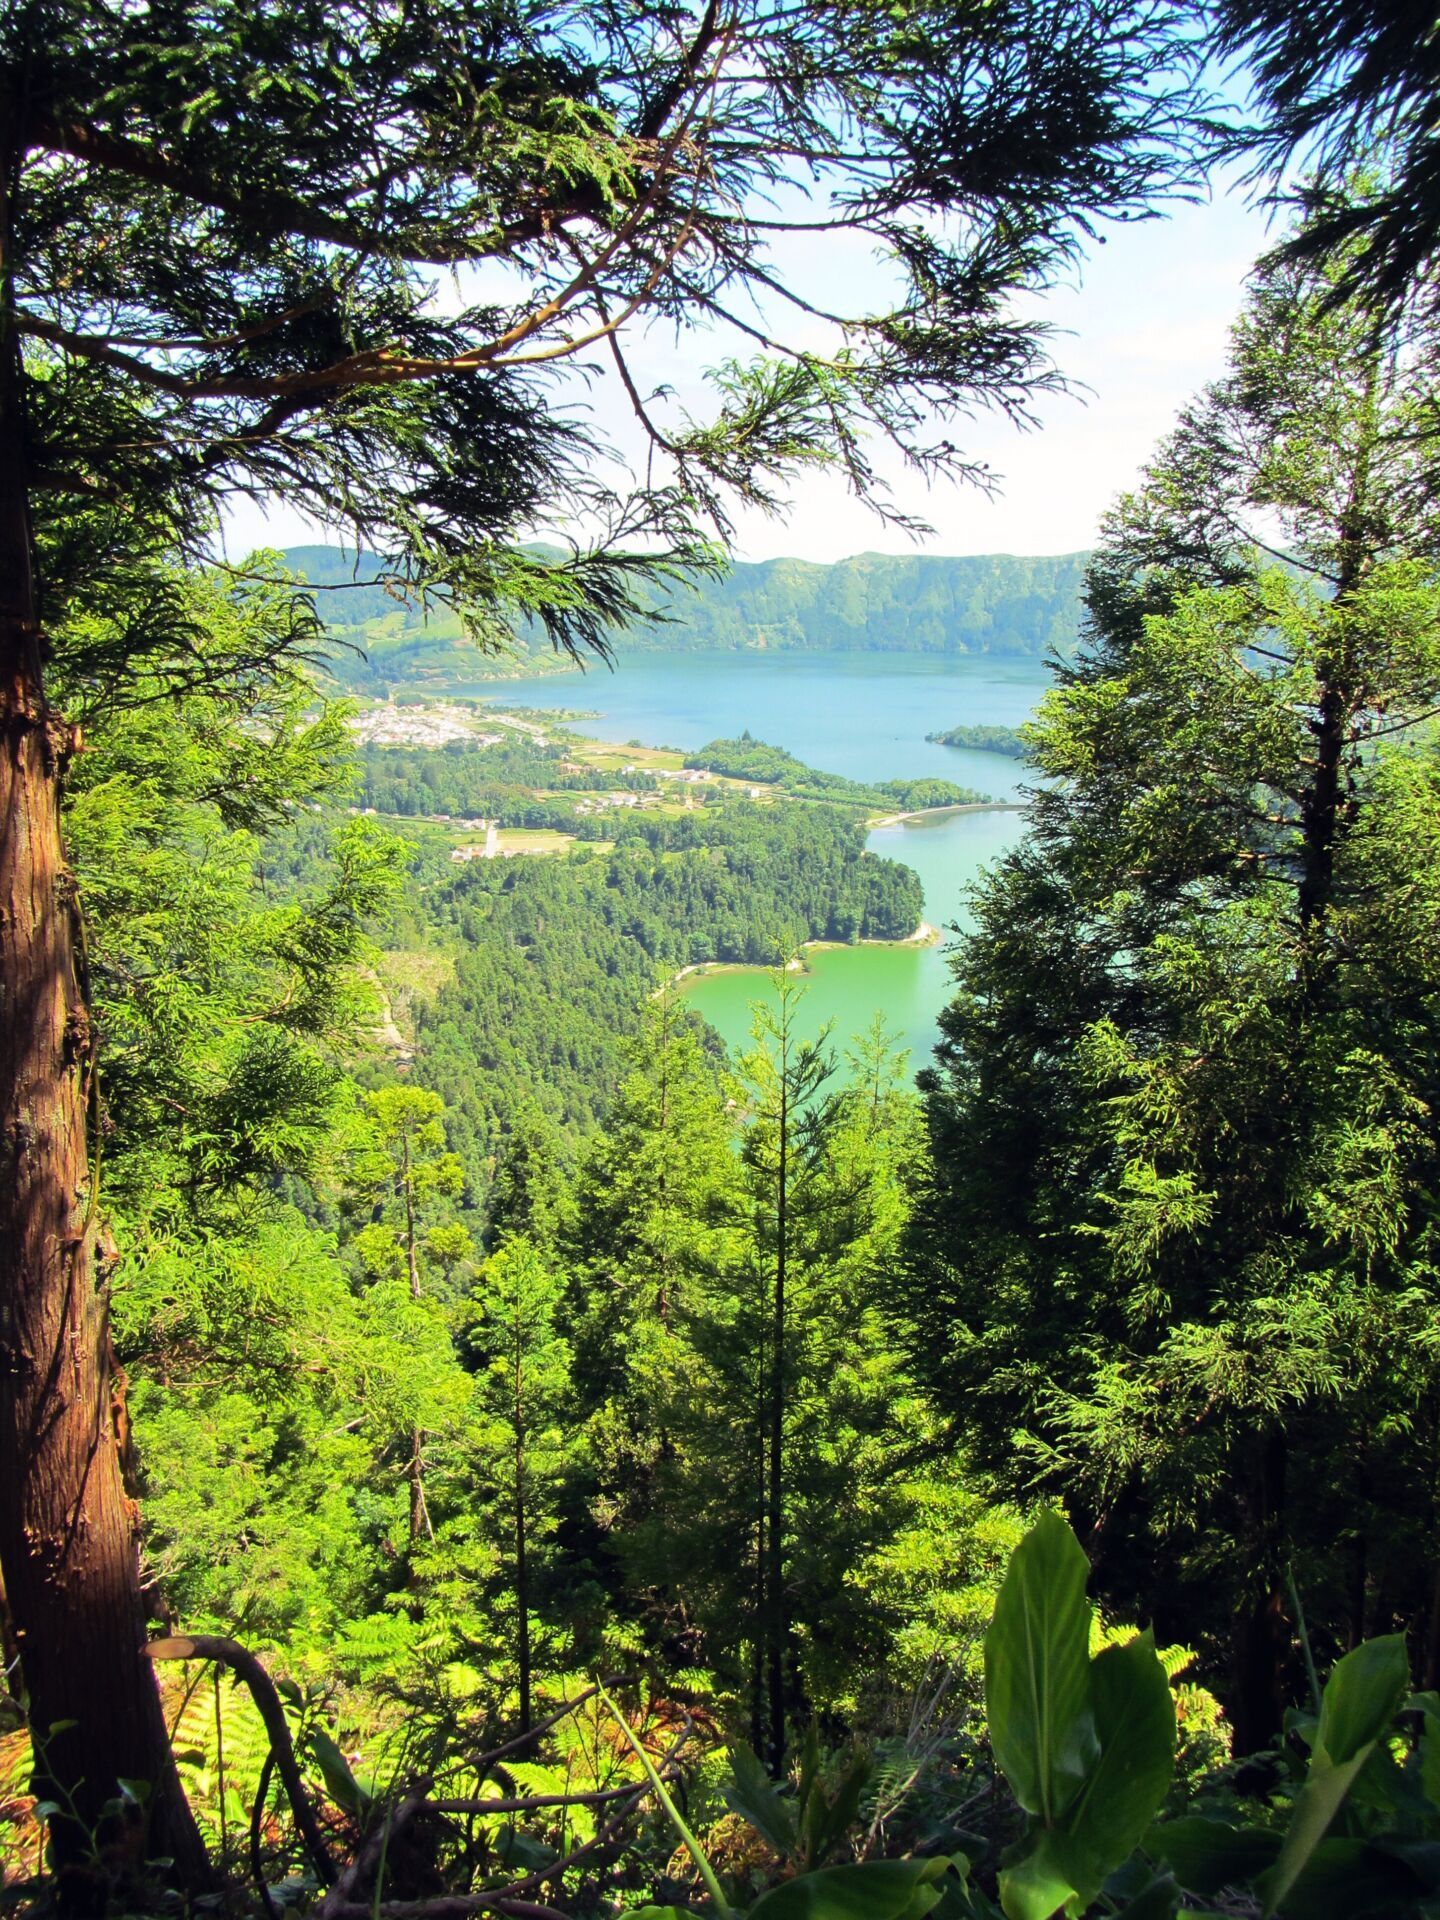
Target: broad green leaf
(1421,1857)
(1361,1697)
(1209,1854)
(1349,1879)
(1135,1724)
(340,1783)
(1430,1760)
(1319,1801)
(1155,1902)
(1428,1706)
(866,1890)
(754,1796)
(1360,1700)
(1037,1886)
(809,1775)
(519,1851)
(825,1821)
(1037,1671)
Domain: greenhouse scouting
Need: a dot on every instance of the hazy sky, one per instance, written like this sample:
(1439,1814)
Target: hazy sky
(1145,326)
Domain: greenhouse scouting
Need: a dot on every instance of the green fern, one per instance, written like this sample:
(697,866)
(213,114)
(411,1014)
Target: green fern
(221,1747)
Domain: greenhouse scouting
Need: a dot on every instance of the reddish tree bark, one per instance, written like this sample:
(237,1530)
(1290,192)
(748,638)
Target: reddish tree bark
(67,1530)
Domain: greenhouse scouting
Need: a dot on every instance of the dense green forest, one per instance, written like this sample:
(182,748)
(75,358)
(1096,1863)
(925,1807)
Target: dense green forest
(986,603)
(1004,740)
(470,1444)
(747,759)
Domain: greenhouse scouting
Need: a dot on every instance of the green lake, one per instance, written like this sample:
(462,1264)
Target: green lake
(861,714)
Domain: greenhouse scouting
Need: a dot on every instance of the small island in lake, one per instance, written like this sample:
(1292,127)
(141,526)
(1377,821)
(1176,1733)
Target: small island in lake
(1004,740)
(751,759)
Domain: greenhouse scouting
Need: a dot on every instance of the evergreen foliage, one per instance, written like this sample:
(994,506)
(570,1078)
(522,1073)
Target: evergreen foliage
(523,1391)
(761,1456)
(1337,85)
(268,1392)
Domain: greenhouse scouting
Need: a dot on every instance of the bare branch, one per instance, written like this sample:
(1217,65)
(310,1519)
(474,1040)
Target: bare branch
(243,1663)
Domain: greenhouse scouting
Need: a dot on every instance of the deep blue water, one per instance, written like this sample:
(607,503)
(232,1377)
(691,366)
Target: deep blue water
(861,714)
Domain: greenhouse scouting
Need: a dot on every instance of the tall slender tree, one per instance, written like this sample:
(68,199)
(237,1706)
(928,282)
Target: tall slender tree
(530,1193)
(524,1393)
(409,1159)
(655,1220)
(784,1154)
(797,1438)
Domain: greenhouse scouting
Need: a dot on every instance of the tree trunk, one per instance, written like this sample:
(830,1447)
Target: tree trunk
(67,1531)
(1322,807)
(1360,1570)
(415,1473)
(407,1183)
(1320,810)
(760,1619)
(419,1512)
(1262,1648)
(1262,1659)
(778,1623)
(522,1565)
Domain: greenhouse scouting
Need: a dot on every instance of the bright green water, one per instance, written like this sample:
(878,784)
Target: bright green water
(849,985)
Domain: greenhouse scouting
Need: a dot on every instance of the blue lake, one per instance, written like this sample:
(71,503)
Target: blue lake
(861,714)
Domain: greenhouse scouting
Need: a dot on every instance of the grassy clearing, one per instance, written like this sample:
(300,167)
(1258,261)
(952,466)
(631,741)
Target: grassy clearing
(610,756)
(416,970)
(534,840)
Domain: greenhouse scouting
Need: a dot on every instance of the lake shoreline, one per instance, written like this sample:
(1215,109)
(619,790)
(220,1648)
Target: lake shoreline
(930,813)
(925,935)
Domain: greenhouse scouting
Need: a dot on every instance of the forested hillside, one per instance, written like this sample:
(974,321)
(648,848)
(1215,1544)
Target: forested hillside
(751,759)
(880,602)
(988,603)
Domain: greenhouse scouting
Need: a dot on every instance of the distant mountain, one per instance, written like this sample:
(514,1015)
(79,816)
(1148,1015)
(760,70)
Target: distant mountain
(880,602)
(983,603)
